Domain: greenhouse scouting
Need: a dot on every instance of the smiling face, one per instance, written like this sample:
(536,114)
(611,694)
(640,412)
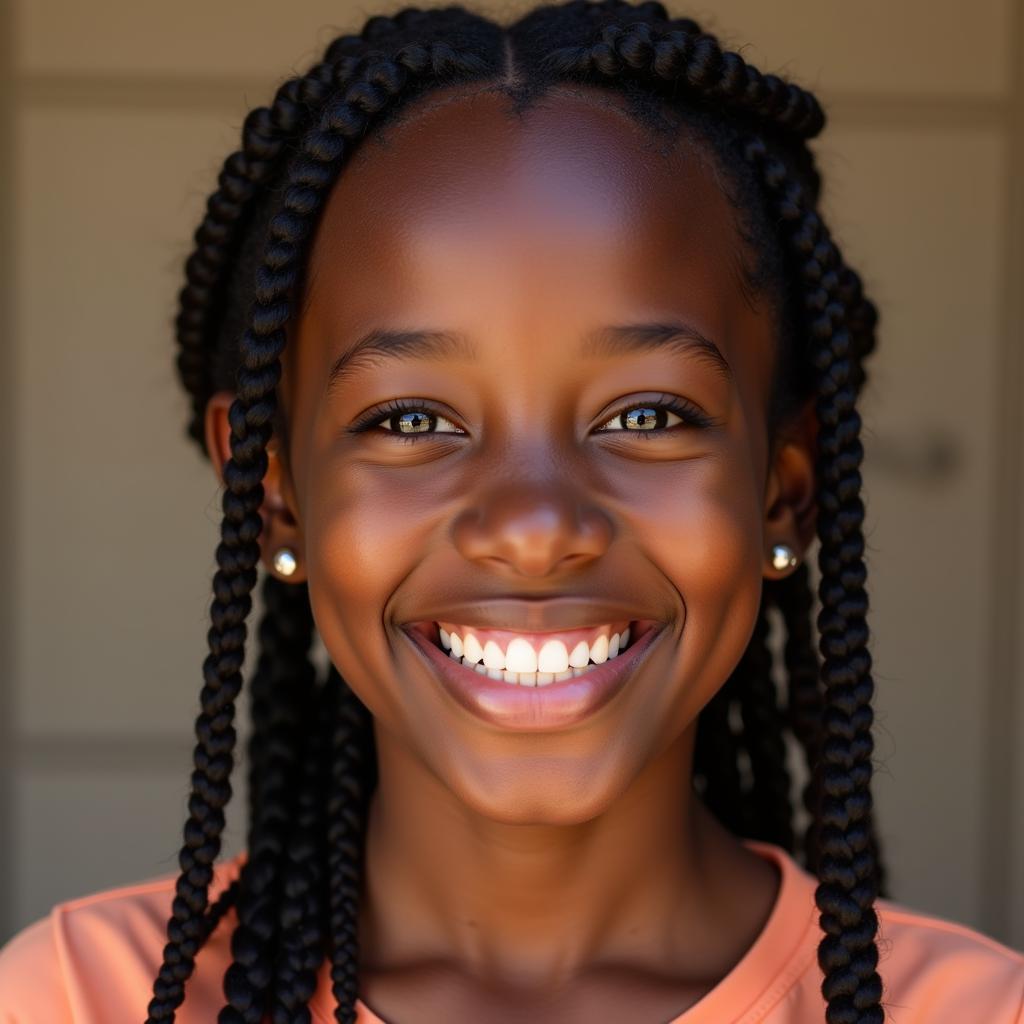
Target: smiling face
(547,288)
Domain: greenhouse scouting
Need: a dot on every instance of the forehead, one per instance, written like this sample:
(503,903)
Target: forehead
(465,206)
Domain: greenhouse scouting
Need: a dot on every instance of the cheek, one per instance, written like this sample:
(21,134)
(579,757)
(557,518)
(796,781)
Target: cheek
(362,540)
(707,540)
(725,590)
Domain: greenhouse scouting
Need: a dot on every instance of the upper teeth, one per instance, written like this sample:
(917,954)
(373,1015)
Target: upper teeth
(521,655)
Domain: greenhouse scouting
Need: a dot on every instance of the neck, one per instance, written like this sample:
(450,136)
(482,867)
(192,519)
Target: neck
(651,883)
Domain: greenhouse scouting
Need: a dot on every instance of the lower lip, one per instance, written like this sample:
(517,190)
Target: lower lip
(558,705)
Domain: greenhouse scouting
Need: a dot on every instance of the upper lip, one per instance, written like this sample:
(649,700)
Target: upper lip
(549,615)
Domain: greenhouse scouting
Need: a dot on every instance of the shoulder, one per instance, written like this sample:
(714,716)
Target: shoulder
(32,989)
(95,958)
(934,969)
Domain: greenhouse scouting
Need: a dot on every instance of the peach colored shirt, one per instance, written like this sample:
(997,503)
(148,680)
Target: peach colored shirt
(92,961)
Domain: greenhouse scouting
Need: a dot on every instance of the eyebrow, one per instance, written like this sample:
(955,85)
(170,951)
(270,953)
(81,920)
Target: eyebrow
(381,345)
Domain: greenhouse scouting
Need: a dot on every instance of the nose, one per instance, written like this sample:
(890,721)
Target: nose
(533,528)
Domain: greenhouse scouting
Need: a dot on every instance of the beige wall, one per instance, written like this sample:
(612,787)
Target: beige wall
(116,121)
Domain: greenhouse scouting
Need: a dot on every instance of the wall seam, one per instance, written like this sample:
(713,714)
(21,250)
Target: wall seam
(49,753)
(8,465)
(1006,674)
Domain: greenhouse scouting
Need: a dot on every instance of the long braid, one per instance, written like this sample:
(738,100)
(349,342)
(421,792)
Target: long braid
(805,710)
(771,806)
(762,808)
(352,779)
(282,690)
(237,557)
(848,883)
(716,758)
(278,692)
(302,914)
(805,701)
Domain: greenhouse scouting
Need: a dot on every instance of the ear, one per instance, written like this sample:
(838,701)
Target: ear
(280,525)
(791,510)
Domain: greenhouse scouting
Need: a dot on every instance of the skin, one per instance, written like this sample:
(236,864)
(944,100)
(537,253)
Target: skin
(569,875)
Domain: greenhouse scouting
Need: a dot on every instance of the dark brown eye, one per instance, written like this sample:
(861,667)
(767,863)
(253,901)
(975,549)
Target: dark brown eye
(408,419)
(652,418)
(643,417)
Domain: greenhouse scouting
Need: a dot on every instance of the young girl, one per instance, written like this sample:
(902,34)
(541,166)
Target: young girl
(530,370)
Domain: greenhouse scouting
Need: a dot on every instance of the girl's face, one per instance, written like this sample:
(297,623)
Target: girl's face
(529,503)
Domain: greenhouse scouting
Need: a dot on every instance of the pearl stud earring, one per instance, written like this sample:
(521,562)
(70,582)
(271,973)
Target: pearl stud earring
(783,556)
(285,562)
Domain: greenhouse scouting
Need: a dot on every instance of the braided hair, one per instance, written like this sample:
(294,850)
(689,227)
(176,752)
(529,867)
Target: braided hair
(312,761)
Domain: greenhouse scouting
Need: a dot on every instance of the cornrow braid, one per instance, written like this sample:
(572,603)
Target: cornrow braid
(299,901)
(694,59)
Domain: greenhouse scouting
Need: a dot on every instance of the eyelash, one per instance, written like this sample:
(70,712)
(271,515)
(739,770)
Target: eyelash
(689,413)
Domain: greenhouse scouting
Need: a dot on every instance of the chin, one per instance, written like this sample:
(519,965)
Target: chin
(539,789)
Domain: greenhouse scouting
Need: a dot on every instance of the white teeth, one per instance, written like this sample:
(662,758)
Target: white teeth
(521,664)
(522,678)
(580,655)
(472,649)
(521,657)
(553,657)
(494,656)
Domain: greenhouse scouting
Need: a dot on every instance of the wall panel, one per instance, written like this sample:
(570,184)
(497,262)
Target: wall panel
(923,214)
(877,47)
(116,517)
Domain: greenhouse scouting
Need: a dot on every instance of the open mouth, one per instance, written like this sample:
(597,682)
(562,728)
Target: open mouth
(534,659)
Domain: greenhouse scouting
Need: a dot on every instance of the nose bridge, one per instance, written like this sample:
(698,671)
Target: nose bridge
(532,515)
